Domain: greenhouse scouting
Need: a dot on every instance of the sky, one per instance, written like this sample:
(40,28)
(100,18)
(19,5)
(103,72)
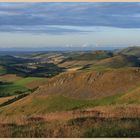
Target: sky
(69,25)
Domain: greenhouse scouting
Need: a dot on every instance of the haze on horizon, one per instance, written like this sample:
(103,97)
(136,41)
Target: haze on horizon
(34,25)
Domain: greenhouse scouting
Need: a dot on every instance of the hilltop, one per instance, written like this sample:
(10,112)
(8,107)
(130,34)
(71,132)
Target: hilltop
(131,51)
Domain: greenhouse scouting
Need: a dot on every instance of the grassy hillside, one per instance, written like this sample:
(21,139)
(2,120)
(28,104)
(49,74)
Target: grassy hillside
(9,89)
(2,70)
(5,99)
(91,84)
(31,82)
(9,77)
(96,55)
(131,51)
(91,128)
(12,84)
(8,60)
(41,105)
(118,61)
(96,90)
(35,104)
(132,97)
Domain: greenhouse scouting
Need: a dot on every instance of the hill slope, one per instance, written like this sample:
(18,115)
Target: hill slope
(91,85)
(78,90)
(135,51)
(119,61)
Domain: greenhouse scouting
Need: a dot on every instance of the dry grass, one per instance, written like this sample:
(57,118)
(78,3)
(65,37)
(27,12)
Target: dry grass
(120,59)
(36,83)
(131,97)
(74,63)
(92,126)
(4,99)
(92,85)
(112,112)
(10,77)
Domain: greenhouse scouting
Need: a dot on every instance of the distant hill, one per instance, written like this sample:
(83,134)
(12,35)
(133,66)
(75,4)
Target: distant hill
(8,60)
(135,51)
(28,67)
(95,55)
(119,61)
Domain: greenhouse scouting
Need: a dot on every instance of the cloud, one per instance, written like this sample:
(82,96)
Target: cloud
(6,13)
(123,15)
(44,29)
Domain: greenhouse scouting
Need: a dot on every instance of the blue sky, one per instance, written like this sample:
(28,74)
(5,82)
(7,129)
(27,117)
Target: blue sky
(69,24)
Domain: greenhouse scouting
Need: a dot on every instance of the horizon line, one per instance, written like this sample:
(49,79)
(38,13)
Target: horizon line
(62,49)
(69,1)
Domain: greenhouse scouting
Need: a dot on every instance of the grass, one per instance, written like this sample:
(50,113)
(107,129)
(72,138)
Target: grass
(53,103)
(5,99)
(9,77)
(91,128)
(11,89)
(59,103)
(43,105)
(9,101)
(131,97)
(120,128)
(17,85)
(27,80)
(2,71)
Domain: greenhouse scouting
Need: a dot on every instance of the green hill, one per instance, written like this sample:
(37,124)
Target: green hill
(130,51)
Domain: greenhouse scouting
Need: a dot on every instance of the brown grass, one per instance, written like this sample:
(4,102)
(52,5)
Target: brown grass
(112,112)
(91,85)
(131,97)
(4,99)
(35,84)
(10,77)
(118,58)
(74,63)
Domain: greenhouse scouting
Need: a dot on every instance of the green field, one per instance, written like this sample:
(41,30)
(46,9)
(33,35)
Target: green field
(2,70)
(27,80)
(11,89)
(17,86)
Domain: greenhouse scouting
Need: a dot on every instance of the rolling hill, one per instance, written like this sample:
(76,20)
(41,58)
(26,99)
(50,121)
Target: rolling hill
(91,85)
(82,90)
(130,51)
(118,61)
(97,90)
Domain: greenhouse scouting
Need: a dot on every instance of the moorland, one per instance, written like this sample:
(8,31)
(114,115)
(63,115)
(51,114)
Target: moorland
(70,93)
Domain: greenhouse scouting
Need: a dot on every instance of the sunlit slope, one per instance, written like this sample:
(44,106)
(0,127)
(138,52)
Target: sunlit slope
(39,105)
(79,90)
(91,85)
(11,84)
(119,61)
(132,97)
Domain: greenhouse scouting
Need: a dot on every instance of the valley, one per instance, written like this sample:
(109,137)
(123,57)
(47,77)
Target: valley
(54,93)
